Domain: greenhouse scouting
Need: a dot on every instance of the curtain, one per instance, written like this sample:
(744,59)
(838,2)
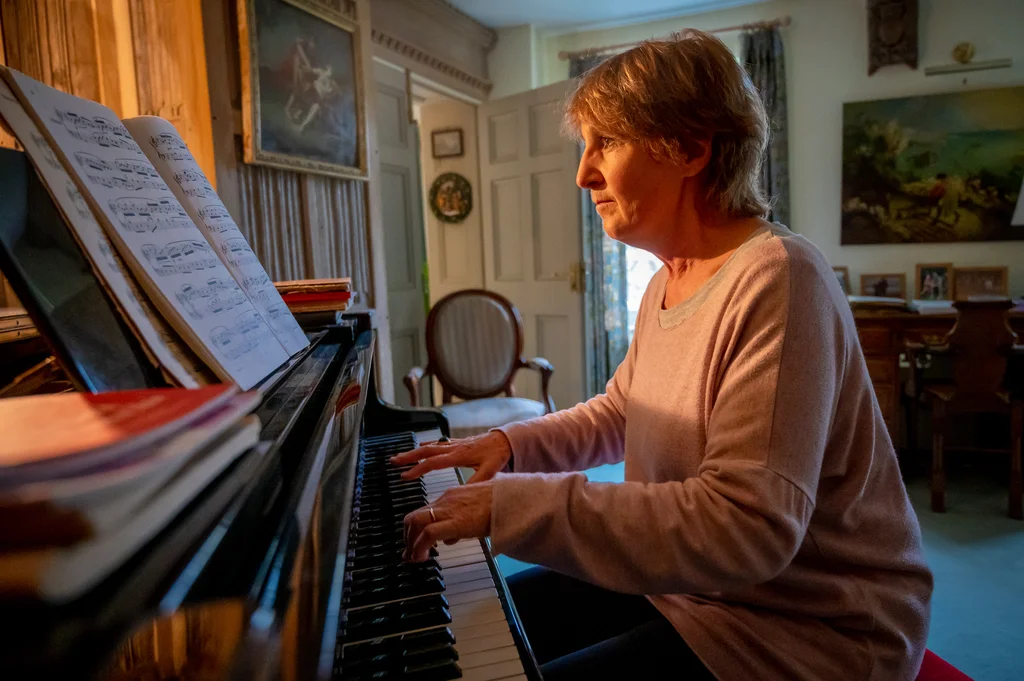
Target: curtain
(762,55)
(605,313)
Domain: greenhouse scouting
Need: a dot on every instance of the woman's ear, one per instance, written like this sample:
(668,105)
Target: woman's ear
(698,158)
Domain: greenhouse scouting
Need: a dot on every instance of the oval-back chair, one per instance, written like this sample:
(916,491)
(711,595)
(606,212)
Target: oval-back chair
(474,349)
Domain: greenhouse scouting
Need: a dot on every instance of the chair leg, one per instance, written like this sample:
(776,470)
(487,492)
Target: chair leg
(1016,483)
(938,469)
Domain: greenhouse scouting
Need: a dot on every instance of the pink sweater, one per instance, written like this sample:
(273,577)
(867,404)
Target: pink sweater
(763,511)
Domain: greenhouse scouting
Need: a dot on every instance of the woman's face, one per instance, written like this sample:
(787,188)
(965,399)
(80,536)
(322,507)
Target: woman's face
(637,196)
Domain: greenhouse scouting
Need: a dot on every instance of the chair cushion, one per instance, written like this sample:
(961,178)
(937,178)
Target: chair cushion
(934,668)
(479,416)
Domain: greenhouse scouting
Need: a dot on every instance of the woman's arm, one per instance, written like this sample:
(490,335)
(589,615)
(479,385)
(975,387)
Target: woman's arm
(743,517)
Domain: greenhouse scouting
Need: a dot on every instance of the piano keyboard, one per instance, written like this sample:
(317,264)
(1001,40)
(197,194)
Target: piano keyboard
(433,621)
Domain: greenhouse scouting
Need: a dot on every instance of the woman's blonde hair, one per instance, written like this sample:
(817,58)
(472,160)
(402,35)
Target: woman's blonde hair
(670,94)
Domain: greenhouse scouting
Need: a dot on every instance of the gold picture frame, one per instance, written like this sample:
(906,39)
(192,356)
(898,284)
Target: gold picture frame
(318,119)
(942,286)
(973,281)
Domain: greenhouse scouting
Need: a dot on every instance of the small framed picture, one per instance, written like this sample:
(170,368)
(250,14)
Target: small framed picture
(969,282)
(446,143)
(933,281)
(843,275)
(884,285)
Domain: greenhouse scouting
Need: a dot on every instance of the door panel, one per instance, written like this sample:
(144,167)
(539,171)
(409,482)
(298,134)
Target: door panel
(531,231)
(404,249)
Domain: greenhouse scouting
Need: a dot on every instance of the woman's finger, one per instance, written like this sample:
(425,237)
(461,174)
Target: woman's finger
(430,535)
(487,470)
(420,453)
(434,463)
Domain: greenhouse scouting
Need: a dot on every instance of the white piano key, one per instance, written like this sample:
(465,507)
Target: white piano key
(459,561)
(471,632)
(481,643)
(487,657)
(465,572)
(463,587)
(470,596)
(493,672)
(478,612)
(458,550)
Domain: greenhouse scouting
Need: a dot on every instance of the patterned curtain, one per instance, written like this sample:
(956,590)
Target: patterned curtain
(762,55)
(606,316)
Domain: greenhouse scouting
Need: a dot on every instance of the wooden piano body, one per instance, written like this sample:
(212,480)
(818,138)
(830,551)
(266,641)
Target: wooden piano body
(252,580)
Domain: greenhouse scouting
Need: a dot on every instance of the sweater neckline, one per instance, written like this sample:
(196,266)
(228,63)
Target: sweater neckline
(677,314)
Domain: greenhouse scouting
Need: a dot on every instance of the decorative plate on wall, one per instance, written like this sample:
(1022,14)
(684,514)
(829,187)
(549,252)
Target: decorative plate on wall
(451,198)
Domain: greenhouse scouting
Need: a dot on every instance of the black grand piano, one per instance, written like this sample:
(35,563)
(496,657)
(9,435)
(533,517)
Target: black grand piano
(288,566)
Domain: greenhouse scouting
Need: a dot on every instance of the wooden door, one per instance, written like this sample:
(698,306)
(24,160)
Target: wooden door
(531,230)
(404,248)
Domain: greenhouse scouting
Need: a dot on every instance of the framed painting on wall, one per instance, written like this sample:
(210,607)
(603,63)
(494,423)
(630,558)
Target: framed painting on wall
(936,168)
(303,104)
(843,275)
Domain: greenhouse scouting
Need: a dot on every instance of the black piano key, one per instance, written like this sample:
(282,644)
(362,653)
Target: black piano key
(429,637)
(396,623)
(362,596)
(398,658)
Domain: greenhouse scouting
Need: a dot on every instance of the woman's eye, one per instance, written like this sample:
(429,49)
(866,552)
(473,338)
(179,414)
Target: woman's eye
(608,141)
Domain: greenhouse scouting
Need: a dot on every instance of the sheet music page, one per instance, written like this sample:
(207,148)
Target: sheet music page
(161,341)
(170,257)
(171,157)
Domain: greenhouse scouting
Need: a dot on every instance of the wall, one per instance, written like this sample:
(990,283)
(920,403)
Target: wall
(454,251)
(507,58)
(826,55)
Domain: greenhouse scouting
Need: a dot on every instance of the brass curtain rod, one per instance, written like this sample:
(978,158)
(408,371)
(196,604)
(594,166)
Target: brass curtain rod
(781,21)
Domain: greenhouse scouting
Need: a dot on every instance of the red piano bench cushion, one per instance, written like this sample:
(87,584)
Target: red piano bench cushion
(934,668)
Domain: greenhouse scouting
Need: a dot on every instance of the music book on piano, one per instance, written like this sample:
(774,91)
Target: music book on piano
(158,236)
(56,436)
(122,524)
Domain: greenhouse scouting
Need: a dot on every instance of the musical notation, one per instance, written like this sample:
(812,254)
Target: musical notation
(46,151)
(216,296)
(189,175)
(95,130)
(238,252)
(256,282)
(180,257)
(126,174)
(206,192)
(245,334)
(149,215)
(217,219)
(170,147)
(81,207)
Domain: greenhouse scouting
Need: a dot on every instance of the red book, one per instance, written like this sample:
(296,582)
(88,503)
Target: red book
(49,436)
(325,297)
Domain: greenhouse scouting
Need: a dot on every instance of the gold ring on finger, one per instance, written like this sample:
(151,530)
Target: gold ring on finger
(433,518)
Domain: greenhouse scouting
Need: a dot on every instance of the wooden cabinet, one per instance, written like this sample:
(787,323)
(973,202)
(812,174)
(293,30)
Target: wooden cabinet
(882,336)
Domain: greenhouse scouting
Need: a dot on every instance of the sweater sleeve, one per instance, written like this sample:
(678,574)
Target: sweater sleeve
(742,518)
(590,434)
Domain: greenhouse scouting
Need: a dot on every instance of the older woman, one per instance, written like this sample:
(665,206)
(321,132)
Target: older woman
(763,516)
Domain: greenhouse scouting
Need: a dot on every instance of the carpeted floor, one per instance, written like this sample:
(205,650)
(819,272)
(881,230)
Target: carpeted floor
(977,556)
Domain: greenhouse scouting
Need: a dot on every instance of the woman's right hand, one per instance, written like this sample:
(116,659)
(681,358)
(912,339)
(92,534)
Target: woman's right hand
(486,454)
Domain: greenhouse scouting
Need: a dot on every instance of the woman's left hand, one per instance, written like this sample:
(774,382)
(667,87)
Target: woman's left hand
(460,513)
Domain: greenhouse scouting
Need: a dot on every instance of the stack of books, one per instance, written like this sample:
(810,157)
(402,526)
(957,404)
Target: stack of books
(316,295)
(86,480)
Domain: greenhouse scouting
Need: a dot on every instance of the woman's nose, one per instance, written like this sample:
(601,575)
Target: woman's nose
(588,176)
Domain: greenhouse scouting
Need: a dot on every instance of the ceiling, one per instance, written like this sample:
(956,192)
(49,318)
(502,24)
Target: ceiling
(584,14)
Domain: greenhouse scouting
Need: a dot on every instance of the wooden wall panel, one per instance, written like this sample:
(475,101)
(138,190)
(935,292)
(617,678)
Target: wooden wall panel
(170,71)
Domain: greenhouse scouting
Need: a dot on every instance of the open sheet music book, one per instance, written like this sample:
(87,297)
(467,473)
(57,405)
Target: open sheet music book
(147,218)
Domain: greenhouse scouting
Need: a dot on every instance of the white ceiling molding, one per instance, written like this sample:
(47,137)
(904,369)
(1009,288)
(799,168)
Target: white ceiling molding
(435,40)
